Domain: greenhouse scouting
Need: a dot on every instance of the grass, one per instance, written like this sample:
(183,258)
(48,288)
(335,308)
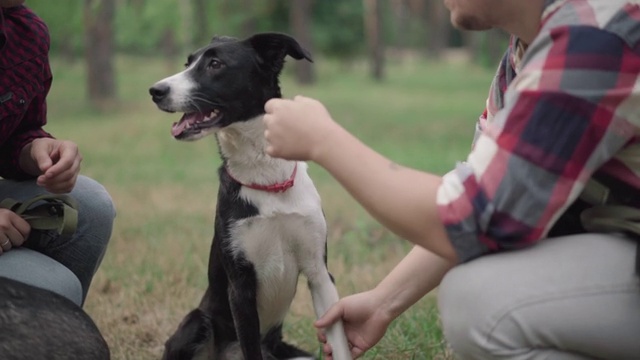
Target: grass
(154,270)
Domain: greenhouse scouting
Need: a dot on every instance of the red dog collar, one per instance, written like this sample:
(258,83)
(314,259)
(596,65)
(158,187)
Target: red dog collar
(275,188)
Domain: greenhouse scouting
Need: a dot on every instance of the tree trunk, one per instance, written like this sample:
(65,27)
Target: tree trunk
(201,23)
(373,30)
(99,45)
(402,20)
(249,24)
(187,16)
(300,19)
(438,28)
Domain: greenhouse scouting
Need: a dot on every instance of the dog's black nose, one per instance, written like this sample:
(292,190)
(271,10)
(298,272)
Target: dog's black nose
(159,92)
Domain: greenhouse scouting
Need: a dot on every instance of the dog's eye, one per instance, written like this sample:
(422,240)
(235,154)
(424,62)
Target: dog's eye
(215,64)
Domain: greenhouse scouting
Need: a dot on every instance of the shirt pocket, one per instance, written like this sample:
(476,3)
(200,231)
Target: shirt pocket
(13,105)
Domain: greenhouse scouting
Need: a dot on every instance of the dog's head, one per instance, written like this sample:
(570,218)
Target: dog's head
(227,81)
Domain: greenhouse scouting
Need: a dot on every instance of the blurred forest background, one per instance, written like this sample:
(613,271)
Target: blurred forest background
(94,31)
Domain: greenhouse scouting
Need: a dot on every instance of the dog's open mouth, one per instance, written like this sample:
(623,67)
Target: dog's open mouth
(194,123)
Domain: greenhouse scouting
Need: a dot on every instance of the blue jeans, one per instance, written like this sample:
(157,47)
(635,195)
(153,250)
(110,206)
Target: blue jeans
(79,254)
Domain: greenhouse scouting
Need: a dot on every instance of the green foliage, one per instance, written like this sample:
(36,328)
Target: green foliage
(170,27)
(65,22)
(338,28)
(146,27)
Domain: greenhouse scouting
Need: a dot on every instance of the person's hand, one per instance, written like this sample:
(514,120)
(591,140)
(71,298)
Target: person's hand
(13,230)
(55,162)
(364,320)
(297,129)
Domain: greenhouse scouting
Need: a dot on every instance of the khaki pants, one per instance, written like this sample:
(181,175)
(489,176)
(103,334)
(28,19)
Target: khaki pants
(573,297)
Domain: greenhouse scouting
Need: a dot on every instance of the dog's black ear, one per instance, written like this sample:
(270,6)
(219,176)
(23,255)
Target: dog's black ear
(274,47)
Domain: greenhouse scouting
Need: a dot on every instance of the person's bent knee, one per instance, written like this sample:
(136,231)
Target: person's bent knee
(464,314)
(35,269)
(96,212)
(95,202)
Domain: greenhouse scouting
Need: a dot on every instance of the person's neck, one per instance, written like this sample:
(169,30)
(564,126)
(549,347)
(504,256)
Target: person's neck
(523,19)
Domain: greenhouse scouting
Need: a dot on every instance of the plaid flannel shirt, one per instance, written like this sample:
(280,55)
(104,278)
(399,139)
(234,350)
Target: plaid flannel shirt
(559,111)
(25,79)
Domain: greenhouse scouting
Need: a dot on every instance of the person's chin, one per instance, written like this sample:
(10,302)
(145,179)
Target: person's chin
(469,23)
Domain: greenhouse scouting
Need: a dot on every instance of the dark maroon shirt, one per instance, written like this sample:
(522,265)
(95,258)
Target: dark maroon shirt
(25,79)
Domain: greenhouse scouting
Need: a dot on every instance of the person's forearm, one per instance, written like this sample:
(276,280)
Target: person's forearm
(402,199)
(416,275)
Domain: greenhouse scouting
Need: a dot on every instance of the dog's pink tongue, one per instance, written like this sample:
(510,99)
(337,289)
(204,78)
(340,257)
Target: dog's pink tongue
(178,128)
(186,119)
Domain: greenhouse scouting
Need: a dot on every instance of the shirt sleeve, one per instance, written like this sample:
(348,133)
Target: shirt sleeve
(563,117)
(24,85)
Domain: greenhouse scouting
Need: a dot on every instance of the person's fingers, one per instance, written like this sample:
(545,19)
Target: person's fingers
(268,106)
(5,243)
(326,349)
(322,337)
(62,177)
(69,160)
(272,105)
(356,352)
(270,151)
(21,227)
(42,159)
(62,183)
(299,98)
(13,229)
(332,315)
(15,237)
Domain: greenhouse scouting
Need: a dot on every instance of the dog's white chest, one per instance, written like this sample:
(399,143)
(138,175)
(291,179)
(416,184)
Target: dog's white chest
(267,244)
(289,231)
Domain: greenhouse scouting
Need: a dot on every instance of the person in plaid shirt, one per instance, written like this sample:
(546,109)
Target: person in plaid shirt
(524,279)
(32,163)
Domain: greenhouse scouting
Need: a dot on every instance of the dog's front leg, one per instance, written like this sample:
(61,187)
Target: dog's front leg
(242,300)
(325,294)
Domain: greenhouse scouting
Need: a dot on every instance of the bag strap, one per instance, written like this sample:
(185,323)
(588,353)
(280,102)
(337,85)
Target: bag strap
(607,218)
(611,213)
(48,212)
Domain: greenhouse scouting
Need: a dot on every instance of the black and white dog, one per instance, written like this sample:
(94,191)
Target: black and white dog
(269,224)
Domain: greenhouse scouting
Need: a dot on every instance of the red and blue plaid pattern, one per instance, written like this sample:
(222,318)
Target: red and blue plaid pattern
(563,109)
(25,79)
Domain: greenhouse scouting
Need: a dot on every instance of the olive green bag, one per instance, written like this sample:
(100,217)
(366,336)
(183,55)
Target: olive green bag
(47,212)
(610,213)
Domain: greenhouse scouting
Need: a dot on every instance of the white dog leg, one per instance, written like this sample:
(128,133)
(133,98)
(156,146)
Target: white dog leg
(325,294)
